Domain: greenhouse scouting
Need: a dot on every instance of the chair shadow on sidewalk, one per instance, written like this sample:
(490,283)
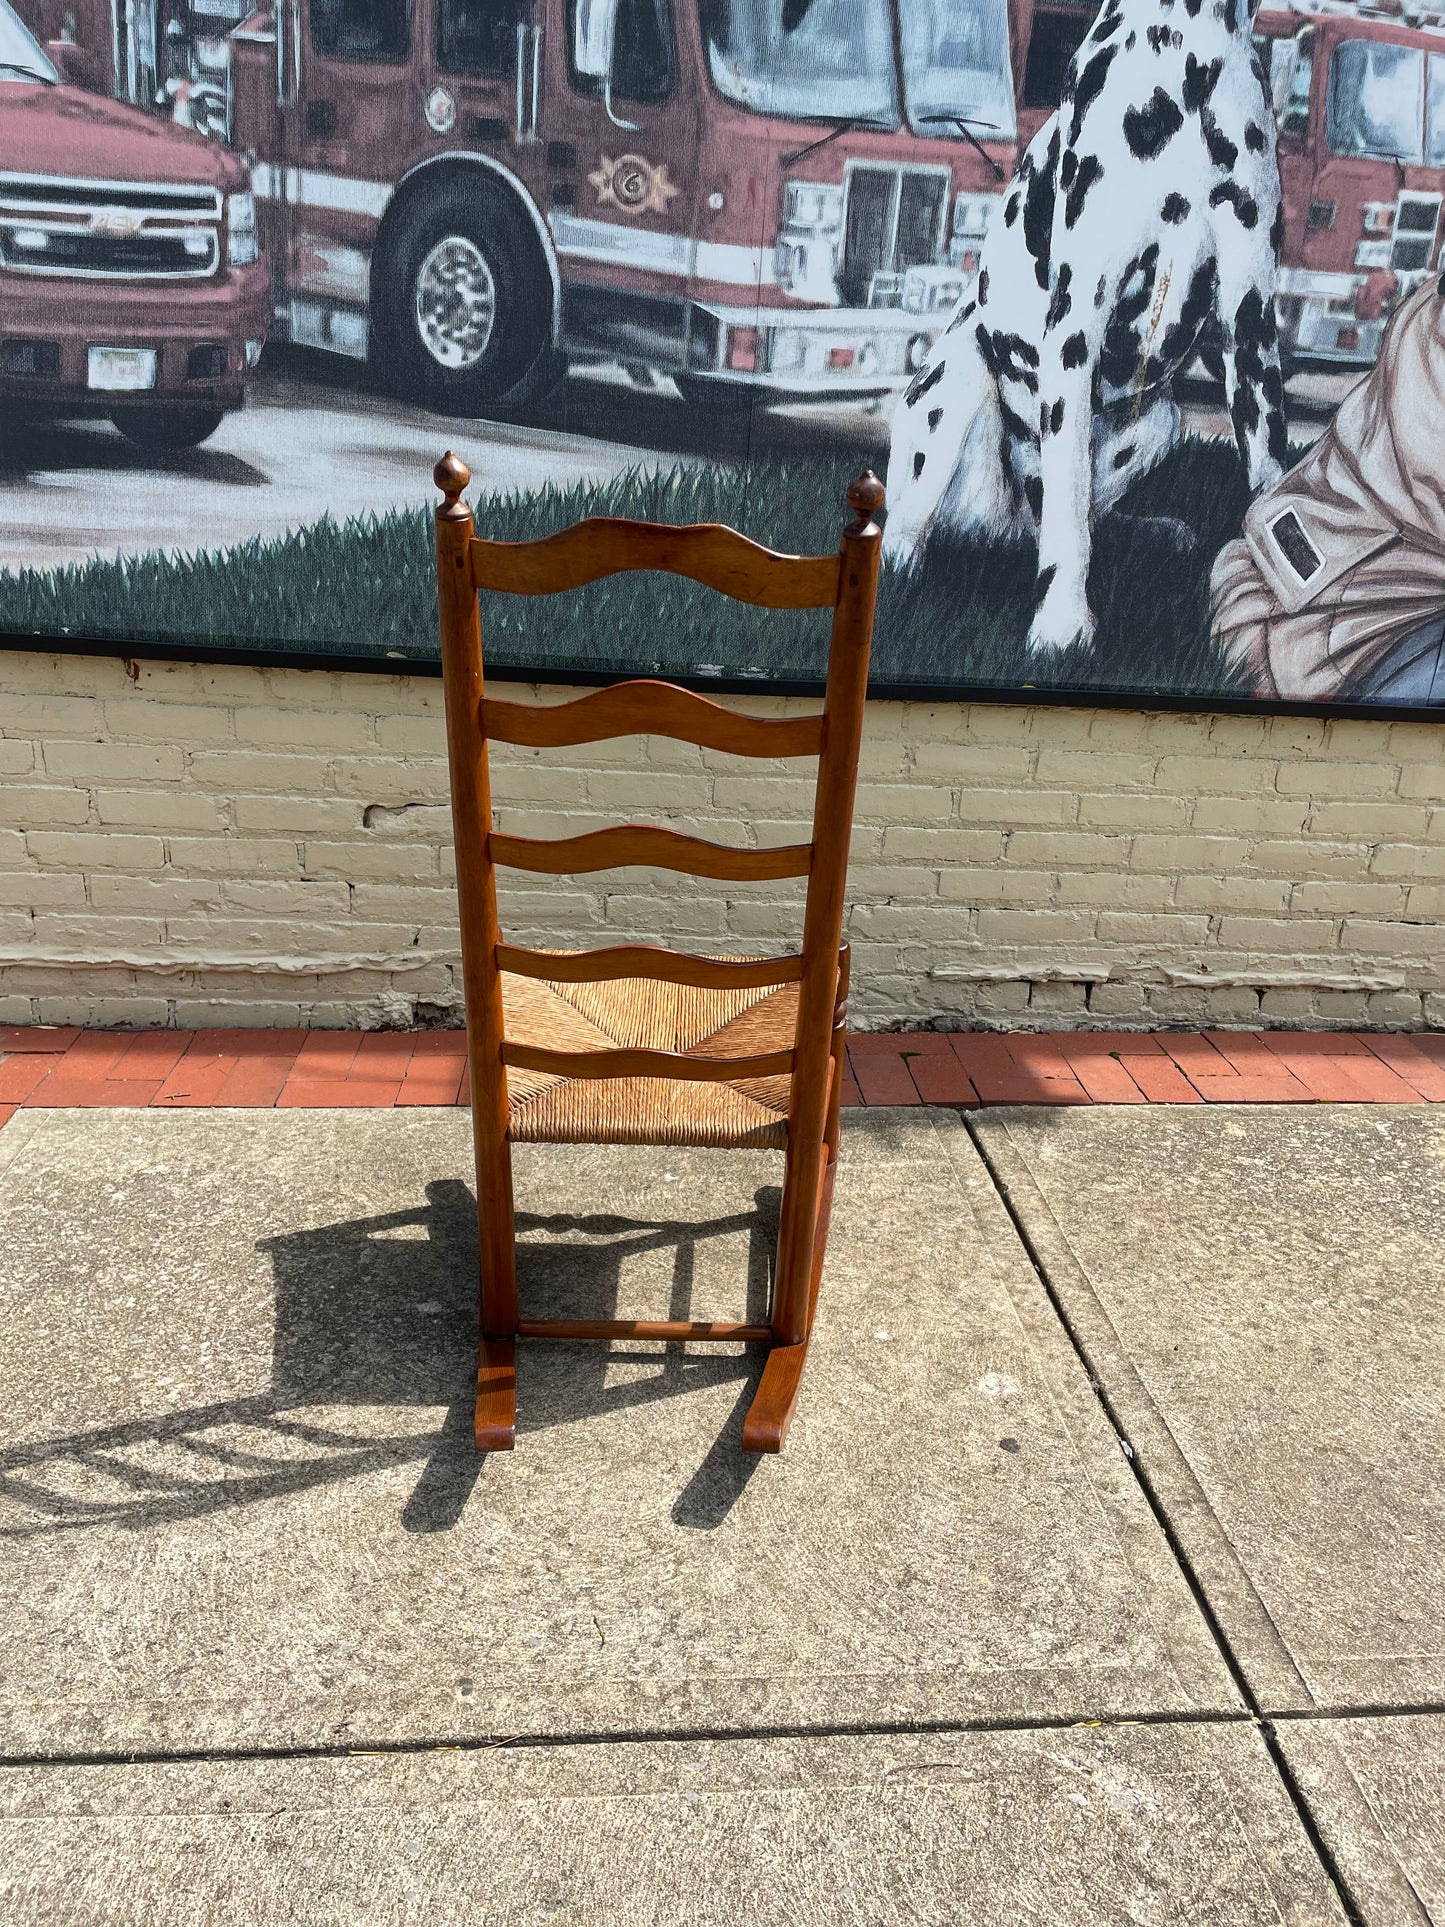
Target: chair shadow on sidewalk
(379,1316)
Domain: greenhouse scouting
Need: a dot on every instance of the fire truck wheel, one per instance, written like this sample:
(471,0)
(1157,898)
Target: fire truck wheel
(463,305)
(168,427)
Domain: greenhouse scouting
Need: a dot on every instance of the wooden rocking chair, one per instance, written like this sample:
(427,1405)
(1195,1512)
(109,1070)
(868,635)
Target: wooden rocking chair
(635,1044)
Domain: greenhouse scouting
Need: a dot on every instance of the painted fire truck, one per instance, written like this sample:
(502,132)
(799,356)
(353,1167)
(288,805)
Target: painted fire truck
(1359,98)
(130,283)
(782,197)
(775,195)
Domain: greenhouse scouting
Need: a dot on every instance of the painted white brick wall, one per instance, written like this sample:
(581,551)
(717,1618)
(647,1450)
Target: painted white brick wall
(187,845)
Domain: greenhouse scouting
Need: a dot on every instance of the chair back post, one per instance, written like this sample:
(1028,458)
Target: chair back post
(814,1044)
(461,640)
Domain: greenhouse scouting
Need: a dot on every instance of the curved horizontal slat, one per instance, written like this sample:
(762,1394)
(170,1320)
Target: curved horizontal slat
(631,844)
(718,1331)
(707,552)
(647,708)
(650,962)
(645,1063)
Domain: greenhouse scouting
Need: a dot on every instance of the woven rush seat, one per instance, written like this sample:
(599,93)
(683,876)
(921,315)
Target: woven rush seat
(636,1013)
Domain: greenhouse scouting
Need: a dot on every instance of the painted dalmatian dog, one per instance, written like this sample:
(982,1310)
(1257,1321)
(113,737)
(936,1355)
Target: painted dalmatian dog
(1148,204)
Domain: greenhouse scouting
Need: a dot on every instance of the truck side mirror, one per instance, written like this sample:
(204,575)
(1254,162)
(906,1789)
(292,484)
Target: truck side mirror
(595,29)
(594,38)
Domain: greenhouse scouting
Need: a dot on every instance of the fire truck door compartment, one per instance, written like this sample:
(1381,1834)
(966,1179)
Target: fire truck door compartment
(620,191)
(353,116)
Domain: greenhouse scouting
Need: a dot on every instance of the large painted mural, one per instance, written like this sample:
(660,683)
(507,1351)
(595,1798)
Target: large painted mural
(1136,306)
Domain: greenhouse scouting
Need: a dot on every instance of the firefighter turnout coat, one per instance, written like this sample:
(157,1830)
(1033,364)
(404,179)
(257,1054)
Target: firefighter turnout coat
(1346,555)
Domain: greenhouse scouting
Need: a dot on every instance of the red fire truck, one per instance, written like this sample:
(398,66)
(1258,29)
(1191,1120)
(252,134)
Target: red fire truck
(781,197)
(775,195)
(1359,96)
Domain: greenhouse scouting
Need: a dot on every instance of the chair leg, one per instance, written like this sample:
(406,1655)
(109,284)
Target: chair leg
(765,1429)
(495,1417)
(776,1399)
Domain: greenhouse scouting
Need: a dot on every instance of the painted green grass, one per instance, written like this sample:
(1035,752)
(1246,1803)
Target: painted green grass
(366,588)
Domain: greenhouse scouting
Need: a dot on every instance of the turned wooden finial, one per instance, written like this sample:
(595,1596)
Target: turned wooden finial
(866,495)
(451,476)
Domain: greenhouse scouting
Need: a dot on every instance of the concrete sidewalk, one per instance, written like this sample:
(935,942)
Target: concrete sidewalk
(1103,1579)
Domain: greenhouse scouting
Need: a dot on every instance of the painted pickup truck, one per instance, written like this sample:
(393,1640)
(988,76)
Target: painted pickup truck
(131,283)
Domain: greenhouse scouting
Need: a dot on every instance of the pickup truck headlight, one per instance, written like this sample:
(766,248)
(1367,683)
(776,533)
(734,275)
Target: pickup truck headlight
(242,247)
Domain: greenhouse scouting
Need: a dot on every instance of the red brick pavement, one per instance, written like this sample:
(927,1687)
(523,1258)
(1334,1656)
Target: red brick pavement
(53,1068)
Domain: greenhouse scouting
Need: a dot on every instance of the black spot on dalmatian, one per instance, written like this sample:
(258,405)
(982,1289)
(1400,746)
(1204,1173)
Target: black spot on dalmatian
(963,315)
(1200,81)
(1010,358)
(983,287)
(1276,230)
(1277,435)
(1101,293)
(1075,350)
(1222,150)
(1229,14)
(1034,496)
(925,379)
(1161,37)
(1108,23)
(1256,369)
(1122,351)
(1043,419)
(1150,128)
(1131,43)
(935,416)
(1254,137)
(1124,456)
(1011,210)
(1088,87)
(1039,213)
(1056,416)
(1194,311)
(1174,209)
(1210,350)
(1015,427)
(1044,582)
(1062,301)
(1090,169)
(1191,7)
(917,465)
(1232,194)
(1068,167)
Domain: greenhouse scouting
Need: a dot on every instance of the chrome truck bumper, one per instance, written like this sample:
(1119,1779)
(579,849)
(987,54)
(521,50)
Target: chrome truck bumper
(784,353)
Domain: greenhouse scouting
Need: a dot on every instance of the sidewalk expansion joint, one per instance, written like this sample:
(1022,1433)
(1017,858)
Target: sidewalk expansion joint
(636,1736)
(1257,1713)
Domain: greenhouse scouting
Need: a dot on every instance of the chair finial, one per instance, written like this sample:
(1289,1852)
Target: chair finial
(451,476)
(866,495)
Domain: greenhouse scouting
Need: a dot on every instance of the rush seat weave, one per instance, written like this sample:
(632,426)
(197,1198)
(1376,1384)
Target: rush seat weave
(631,1013)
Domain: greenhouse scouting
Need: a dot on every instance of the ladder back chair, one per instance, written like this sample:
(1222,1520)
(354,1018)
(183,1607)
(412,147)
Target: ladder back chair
(638,1044)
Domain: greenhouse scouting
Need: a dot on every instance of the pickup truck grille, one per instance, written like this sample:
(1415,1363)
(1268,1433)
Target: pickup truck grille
(117,230)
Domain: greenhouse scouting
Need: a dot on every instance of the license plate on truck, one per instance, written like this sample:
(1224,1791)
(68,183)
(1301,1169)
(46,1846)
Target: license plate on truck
(123,370)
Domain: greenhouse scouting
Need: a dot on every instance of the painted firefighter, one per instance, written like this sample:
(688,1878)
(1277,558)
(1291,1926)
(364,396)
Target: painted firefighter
(1337,591)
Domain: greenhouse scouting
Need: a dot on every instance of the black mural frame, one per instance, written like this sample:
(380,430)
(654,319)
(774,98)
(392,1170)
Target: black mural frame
(878,691)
